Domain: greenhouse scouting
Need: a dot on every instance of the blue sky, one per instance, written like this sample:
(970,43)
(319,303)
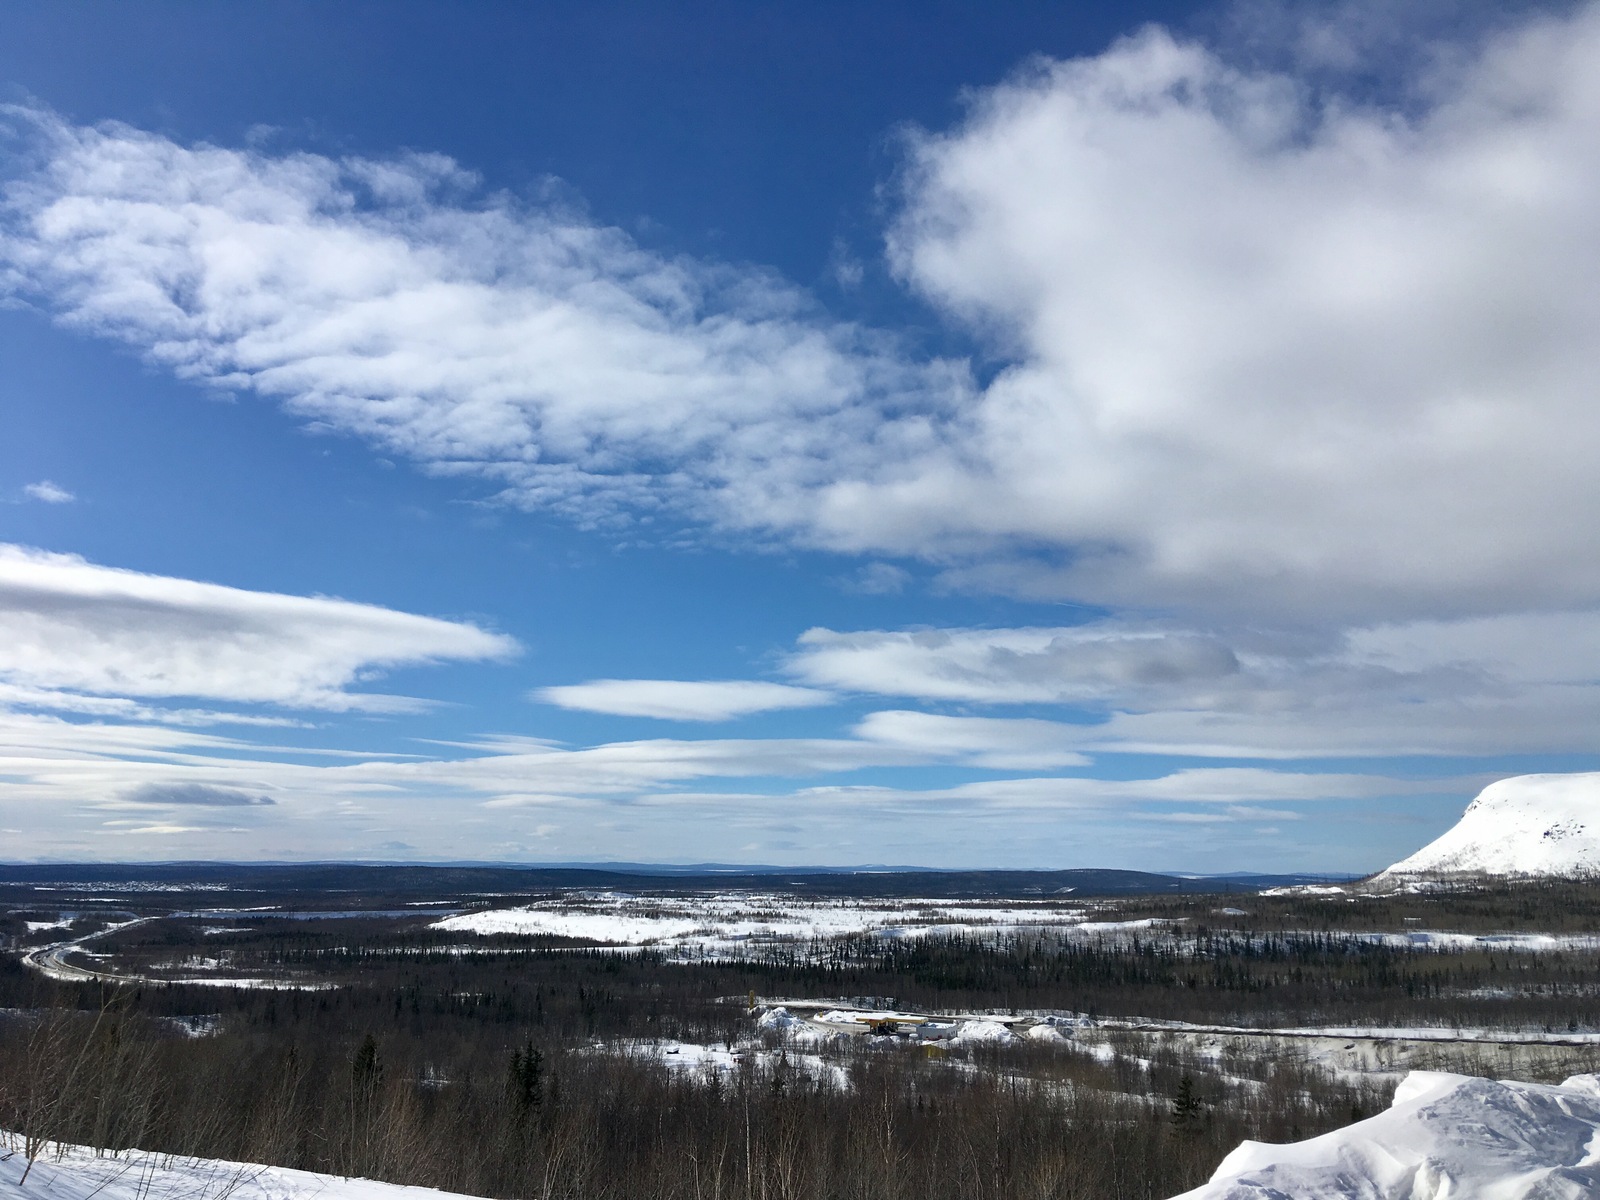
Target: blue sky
(1033,436)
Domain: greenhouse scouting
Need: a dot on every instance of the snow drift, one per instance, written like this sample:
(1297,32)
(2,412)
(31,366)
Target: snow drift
(1445,1136)
(81,1173)
(1528,825)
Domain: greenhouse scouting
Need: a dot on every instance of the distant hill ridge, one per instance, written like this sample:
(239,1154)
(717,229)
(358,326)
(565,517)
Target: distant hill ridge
(1529,825)
(395,880)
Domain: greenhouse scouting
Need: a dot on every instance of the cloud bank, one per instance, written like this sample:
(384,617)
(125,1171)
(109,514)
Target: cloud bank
(202,794)
(1521,683)
(1265,350)
(70,626)
(72,786)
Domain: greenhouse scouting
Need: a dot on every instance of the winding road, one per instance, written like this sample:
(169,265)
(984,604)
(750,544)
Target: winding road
(51,961)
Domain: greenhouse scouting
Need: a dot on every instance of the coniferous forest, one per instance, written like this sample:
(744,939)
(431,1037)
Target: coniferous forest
(374,1044)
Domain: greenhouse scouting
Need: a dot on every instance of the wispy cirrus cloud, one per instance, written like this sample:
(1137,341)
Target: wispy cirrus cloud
(1001,743)
(48,493)
(682,700)
(84,631)
(49,761)
(1231,793)
(69,784)
(121,708)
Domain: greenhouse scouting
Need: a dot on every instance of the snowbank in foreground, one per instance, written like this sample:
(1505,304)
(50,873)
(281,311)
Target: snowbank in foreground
(1445,1136)
(83,1174)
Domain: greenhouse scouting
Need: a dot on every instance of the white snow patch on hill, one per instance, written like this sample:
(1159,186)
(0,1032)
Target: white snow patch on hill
(80,1173)
(727,925)
(1445,1136)
(1527,825)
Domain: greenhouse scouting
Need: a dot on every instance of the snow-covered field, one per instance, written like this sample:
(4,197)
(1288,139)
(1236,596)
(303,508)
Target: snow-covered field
(733,924)
(77,1173)
(1446,1137)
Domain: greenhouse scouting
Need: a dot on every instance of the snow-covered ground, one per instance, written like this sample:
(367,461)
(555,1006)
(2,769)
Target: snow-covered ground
(1349,1053)
(1446,1137)
(1304,889)
(58,923)
(736,924)
(77,1173)
(1401,1033)
(1529,943)
(701,1061)
(1527,825)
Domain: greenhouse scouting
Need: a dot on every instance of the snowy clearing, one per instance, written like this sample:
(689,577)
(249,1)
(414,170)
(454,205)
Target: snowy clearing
(745,925)
(736,924)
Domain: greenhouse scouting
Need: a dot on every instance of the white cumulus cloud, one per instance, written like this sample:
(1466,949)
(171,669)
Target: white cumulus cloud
(1270,350)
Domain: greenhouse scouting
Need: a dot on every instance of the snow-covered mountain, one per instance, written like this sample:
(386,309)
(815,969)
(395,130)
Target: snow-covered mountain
(1528,825)
(1445,1136)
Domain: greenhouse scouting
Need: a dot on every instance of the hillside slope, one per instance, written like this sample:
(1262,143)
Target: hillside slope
(1527,825)
(1449,1136)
